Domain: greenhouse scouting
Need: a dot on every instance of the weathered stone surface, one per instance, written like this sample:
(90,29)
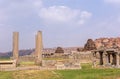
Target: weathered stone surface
(90,45)
(15,45)
(38,49)
(48,63)
(7,64)
(61,64)
(108,42)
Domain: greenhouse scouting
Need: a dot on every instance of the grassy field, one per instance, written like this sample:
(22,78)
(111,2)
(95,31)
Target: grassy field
(4,58)
(27,63)
(90,74)
(85,73)
(27,74)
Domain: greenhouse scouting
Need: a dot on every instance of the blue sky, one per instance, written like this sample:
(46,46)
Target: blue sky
(65,23)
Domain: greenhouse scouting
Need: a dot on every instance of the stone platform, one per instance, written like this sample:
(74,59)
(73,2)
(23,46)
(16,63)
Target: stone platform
(7,64)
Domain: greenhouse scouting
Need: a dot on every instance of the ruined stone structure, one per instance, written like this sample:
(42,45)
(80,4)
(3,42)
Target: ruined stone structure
(68,63)
(15,59)
(59,51)
(16,46)
(107,58)
(7,64)
(64,61)
(38,49)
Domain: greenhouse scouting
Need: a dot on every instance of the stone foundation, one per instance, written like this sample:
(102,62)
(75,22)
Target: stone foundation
(61,64)
(7,64)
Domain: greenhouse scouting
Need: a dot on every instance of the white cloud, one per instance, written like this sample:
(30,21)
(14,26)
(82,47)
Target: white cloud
(51,14)
(63,14)
(112,1)
(24,15)
(84,16)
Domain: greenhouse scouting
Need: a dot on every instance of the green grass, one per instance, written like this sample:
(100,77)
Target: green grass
(27,74)
(27,63)
(4,58)
(85,73)
(90,74)
(86,66)
(6,75)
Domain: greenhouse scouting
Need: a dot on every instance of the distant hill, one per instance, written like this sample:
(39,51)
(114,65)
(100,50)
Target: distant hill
(31,51)
(5,54)
(21,53)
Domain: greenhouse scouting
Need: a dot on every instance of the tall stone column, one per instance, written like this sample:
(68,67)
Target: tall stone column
(38,49)
(15,46)
(118,60)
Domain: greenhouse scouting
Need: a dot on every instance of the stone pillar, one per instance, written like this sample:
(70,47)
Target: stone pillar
(118,60)
(38,49)
(94,60)
(15,46)
(108,58)
(114,59)
(101,58)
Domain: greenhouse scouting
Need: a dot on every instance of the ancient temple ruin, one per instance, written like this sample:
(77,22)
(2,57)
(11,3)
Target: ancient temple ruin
(106,58)
(70,63)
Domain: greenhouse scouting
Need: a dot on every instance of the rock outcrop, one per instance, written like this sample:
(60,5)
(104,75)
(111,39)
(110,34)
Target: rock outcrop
(90,45)
(108,42)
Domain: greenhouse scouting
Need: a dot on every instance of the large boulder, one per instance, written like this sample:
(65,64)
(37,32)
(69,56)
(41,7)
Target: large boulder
(108,42)
(90,45)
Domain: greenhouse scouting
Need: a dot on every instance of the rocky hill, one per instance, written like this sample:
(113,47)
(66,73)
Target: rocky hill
(108,42)
(21,53)
(90,45)
(102,42)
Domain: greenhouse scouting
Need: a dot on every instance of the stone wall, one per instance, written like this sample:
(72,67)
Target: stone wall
(7,64)
(27,58)
(61,64)
(85,57)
